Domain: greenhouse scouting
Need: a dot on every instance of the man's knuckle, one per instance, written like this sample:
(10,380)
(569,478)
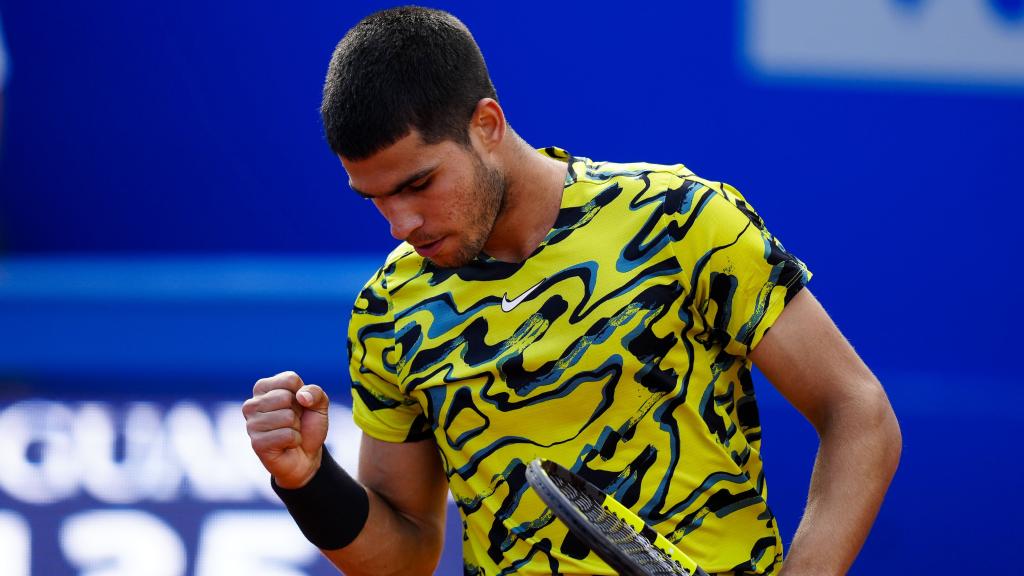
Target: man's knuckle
(259,386)
(256,426)
(258,443)
(280,398)
(287,418)
(272,420)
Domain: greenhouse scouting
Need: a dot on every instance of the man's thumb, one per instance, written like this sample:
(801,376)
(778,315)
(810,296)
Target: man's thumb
(313,397)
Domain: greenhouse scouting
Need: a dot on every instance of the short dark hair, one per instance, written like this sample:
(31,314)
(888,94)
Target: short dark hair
(400,69)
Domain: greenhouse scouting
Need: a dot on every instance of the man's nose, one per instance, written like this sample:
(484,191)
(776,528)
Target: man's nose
(400,215)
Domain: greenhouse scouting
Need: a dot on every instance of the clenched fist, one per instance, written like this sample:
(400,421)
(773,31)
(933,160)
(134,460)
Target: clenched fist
(287,425)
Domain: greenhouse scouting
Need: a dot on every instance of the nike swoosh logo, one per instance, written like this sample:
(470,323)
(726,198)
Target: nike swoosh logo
(508,305)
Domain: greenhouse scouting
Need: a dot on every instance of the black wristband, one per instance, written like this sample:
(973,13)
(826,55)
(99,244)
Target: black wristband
(331,509)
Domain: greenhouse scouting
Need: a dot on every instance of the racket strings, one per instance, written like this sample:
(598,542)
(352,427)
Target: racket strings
(622,534)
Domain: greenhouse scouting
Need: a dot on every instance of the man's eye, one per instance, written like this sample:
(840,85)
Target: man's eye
(419,186)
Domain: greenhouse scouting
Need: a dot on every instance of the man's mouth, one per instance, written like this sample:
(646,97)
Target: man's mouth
(428,249)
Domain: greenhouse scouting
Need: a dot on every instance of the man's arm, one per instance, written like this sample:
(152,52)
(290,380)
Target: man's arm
(404,532)
(815,368)
(404,483)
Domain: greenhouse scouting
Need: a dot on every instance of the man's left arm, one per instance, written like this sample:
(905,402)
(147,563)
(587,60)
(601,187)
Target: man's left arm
(807,359)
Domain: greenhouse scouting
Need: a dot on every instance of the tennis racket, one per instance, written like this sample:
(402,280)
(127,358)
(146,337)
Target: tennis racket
(611,530)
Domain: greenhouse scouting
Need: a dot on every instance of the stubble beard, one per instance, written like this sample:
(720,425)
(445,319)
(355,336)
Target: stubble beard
(487,202)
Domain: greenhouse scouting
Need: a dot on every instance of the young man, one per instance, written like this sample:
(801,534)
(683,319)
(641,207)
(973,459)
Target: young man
(604,316)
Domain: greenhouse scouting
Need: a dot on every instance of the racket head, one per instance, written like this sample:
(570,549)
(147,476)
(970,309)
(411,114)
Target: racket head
(612,531)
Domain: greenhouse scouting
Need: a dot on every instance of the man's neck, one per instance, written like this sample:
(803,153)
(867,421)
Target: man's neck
(534,196)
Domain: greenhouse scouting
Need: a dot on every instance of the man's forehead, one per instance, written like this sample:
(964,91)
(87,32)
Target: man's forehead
(392,153)
(387,168)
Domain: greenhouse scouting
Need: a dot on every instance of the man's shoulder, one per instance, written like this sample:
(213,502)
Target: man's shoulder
(658,178)
(401,262)
(587,177)
(634,189)
(602,170)
(638,182)
(400,265)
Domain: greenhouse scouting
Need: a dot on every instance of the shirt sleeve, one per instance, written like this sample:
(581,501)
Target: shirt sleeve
(379,406)
(739,276)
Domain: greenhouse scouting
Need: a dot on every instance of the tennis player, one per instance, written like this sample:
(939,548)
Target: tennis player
(541,304)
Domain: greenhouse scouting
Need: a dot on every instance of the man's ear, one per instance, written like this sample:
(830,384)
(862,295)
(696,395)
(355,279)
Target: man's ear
(487,126)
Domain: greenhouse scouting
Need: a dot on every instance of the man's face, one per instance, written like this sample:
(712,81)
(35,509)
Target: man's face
(441,198)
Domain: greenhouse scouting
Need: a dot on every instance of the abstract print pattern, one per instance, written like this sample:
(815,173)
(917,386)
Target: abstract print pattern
(623,358)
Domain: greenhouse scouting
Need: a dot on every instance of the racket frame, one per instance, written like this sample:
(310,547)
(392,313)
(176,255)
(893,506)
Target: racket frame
(538,475)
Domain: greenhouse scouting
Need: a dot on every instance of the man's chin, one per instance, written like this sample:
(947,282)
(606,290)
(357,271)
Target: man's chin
(443,262)
(457,260)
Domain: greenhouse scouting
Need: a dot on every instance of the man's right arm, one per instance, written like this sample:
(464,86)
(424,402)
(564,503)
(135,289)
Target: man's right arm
(402,528)
(404,531)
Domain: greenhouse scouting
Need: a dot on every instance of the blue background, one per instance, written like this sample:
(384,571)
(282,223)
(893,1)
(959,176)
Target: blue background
(173,223)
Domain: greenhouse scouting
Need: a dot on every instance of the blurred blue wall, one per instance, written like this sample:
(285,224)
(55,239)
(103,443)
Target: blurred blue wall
(173,223)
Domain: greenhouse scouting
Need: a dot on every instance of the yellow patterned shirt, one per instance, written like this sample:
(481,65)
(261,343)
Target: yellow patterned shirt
(617,349)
